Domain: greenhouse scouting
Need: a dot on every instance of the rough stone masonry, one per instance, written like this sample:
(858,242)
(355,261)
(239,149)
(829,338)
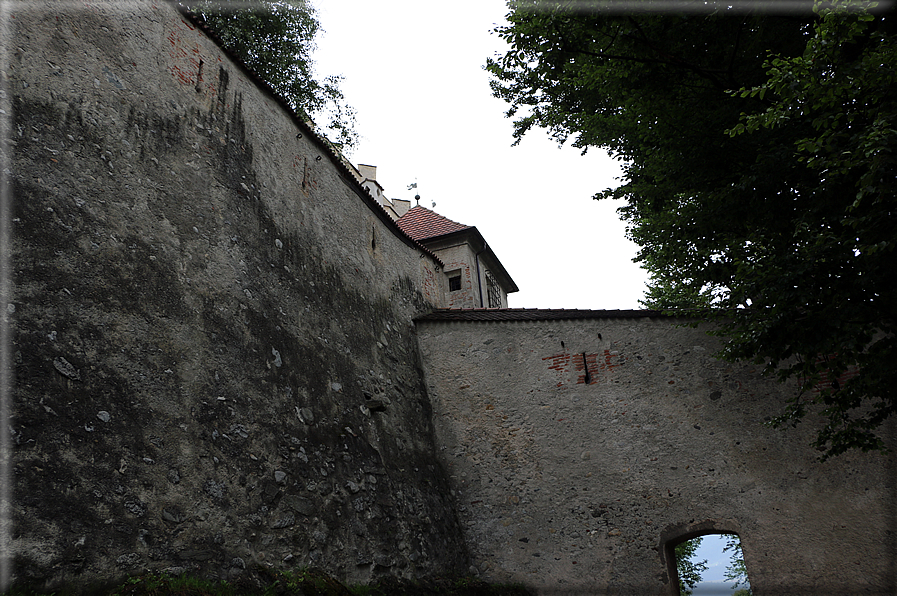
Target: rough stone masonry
(581,451)
(217,366)
(214,354)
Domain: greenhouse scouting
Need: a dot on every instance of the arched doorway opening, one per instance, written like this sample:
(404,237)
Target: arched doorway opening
(705,559)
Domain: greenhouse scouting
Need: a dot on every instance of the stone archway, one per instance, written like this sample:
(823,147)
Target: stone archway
(679,533)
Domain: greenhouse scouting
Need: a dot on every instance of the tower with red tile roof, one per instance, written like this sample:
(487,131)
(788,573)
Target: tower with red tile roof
(474,276)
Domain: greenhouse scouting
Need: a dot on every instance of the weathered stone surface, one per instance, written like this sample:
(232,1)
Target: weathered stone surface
(299,504)
(66,369)
(217,368)
(198,307)
(580,486)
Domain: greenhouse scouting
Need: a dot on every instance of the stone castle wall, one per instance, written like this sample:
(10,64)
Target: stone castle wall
(214,358)
(216,367)
(580,478)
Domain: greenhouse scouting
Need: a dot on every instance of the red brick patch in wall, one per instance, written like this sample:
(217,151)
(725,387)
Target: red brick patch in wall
(590,365)
(186,64)
(826,383)
(558,362)
(431,286)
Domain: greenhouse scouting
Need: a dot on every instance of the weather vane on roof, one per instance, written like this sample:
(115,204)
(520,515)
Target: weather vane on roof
(412,186)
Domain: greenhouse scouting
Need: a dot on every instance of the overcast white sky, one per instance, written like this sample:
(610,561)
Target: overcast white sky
(414,72)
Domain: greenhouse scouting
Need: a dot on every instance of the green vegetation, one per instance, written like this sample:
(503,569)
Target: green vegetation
(276,39)
(689,571)
(267,582)
(736,571)
(759,163)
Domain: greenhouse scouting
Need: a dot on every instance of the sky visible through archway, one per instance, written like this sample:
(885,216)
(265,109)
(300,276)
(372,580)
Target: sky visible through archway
(713,582)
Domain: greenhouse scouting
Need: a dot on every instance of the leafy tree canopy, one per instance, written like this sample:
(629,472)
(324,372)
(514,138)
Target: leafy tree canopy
(736,570)
(689,570)
(275,38)
(758,174)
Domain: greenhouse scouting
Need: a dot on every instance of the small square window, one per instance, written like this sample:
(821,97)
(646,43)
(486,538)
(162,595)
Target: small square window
(455,283)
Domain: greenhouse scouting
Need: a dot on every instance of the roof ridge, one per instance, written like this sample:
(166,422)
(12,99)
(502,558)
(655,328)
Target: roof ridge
(421,223)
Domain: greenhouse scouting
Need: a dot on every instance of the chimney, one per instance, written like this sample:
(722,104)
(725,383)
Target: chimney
(369,181)
(401,206)
(368,172)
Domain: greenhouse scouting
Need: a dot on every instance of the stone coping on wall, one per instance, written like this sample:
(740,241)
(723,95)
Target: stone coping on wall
(534,314)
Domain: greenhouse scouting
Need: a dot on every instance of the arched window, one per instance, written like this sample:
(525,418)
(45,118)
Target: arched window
(705,558)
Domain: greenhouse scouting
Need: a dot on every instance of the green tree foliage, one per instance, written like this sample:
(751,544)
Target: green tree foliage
(276,39)
(736,571)
(758,174)
(689,571)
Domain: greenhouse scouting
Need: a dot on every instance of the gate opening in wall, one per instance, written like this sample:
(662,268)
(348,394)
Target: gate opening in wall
(708,564)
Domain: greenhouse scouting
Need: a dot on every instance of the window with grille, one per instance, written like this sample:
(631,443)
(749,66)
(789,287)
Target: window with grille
(454,278)
(494,291)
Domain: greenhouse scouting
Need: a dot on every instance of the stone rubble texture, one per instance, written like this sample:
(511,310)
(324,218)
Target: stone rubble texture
(217,367)
(581,486)
(201,320)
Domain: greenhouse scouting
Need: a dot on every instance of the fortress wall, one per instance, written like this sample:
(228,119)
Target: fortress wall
(577,487)
(215,364)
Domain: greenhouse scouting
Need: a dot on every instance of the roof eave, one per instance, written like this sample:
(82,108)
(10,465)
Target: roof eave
(481,246)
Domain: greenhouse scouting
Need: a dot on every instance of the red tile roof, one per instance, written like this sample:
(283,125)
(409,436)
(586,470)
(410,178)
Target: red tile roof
(421,223)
